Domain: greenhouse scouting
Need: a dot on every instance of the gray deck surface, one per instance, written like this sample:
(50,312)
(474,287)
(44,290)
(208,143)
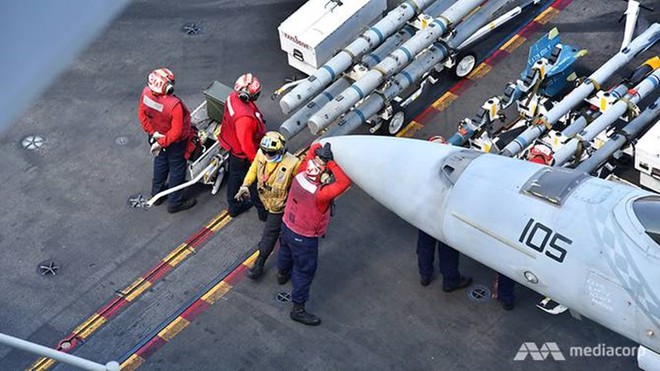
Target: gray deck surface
(67,202)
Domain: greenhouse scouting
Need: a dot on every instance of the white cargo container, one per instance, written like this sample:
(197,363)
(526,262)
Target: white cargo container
(647,158)
(321,28)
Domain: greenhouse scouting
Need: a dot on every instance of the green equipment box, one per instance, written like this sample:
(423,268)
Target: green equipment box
(216,95)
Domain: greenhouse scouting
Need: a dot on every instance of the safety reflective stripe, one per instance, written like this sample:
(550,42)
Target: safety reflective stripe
(152,103)
(229,107)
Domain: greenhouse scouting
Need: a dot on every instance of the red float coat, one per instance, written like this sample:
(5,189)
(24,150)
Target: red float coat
(307,210)
(242,127)
(165,114)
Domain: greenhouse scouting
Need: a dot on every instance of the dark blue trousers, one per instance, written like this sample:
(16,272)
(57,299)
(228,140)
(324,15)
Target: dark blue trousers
(448,259)
(505,287)
(298,255)
(238,168)
(170,162)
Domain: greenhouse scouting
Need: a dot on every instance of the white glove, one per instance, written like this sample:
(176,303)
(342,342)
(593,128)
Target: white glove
(242,193)
(158,135)
(155,149)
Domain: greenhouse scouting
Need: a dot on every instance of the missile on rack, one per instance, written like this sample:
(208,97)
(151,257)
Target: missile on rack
(394,63)
(343,60)
(644,41)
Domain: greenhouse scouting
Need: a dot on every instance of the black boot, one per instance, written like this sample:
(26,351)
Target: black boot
(257,269)
(299,314)
(185,205)
(463,282)
(283,277)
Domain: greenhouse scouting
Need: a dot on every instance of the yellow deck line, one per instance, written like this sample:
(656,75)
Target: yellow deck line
(132,286)
(215,220)
(444,101)
(89,326)
(175,252)
(410,129)
(132,363)
(251,259)
(221,224)
(86,323)
(547,15)
(42,364)
(138,291)
(179,258)
(479,72)
(216,292)
(173,328)
(513,44)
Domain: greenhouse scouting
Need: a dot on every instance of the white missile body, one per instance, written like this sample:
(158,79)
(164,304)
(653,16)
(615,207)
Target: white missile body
(643,42)
(393,63)
(586,242)
(369,40)
(644,88)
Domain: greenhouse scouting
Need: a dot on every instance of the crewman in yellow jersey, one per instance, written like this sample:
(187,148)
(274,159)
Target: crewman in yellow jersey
(273,169)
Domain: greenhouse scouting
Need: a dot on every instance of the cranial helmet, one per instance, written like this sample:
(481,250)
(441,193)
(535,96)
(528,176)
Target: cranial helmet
(248,87)
(161,81)
(314,170)
(273,146)
(437,139)
(541,154)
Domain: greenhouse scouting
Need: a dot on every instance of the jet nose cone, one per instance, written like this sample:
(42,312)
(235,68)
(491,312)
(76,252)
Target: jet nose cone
(402,174)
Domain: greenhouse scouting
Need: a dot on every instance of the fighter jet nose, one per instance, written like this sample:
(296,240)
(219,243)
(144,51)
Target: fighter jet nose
(368,155)
(405,175)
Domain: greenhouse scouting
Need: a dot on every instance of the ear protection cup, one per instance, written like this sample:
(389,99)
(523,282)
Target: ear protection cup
(247,87)
(161,81)
(169,88)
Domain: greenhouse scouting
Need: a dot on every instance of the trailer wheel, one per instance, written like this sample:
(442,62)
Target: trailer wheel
(394,125)
(465,63)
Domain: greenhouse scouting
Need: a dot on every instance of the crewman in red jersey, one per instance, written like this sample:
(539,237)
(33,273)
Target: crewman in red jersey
(306,216)
(240,133)
(166,120)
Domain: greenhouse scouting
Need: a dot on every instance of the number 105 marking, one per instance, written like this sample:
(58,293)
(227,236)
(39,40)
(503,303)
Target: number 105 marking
(553,251)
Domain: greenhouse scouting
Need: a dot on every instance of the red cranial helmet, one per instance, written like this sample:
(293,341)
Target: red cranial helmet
(314,170)
(437,139)
(540,154)
(248,87)
(161,81)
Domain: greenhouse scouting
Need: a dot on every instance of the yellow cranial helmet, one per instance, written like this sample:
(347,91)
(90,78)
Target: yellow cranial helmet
(273,145)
